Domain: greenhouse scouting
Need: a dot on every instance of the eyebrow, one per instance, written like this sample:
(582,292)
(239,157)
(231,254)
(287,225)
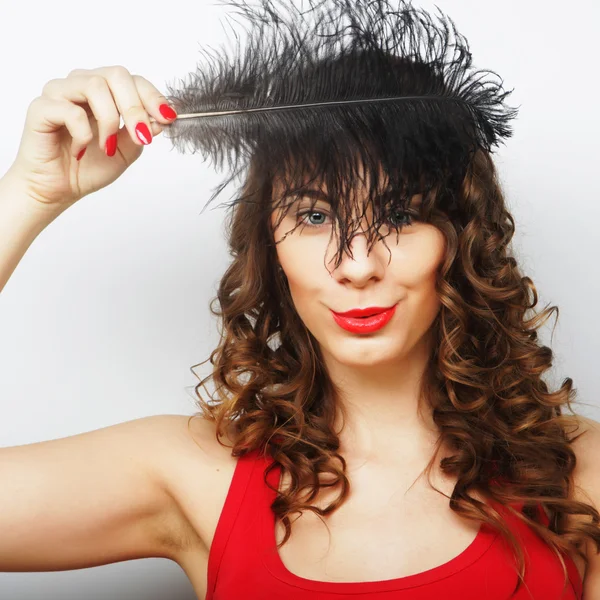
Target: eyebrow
(320,195)
(310,192)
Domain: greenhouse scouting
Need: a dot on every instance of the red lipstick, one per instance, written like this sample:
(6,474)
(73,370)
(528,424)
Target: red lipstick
(364,320)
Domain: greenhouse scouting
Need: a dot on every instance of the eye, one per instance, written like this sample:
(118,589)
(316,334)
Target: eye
(397,215)
(397,218)
(305,217)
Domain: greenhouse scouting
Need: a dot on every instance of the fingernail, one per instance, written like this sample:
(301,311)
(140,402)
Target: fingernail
(143,133)
(167,112)
(111,145)
(80,155)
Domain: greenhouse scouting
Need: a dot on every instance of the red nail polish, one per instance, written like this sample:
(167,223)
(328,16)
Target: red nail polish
(111,144)
(167,112)
(80,155)
(143,133)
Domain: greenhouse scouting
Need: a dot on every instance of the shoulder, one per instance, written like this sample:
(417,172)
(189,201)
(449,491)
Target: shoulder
(187,448)
(176,435)
(586,445)
(196,471)
(586,488)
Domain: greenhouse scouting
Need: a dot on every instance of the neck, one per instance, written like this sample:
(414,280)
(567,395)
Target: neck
(385,413)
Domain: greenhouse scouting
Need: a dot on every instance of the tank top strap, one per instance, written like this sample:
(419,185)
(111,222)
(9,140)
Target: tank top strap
(520,505)
(545,520)
(244,499)
(541,513)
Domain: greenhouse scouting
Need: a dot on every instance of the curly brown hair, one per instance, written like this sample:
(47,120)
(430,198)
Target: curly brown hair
(483,380)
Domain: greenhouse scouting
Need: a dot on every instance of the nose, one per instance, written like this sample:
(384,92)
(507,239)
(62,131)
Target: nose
(361,267)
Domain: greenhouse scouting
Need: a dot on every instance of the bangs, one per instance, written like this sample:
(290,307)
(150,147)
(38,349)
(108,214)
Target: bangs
(388,183)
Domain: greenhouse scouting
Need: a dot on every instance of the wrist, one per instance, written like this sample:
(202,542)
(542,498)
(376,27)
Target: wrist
(13,191)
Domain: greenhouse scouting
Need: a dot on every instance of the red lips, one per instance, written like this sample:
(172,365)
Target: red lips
(363,312)
(362,320)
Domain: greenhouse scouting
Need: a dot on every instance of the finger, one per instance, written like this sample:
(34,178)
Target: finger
(124,96)
(46,115)
(155,103)
(136,88)
(152,99)
(128,102)
(155,128)
(93,90)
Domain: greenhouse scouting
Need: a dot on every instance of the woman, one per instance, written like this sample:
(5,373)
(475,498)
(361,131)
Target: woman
(387,386)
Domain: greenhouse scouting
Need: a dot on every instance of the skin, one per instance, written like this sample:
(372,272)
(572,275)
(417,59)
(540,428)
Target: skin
(378,373)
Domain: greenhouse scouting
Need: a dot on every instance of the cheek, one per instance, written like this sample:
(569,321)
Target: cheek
(425,255)
(302,258)
(419,260)
(304,275)
(303,261)
(298,265)
(420,278)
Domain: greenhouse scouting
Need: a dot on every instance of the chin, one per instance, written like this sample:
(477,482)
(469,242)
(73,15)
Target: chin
(365,353)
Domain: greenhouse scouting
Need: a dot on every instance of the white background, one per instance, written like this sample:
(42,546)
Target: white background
(108,310)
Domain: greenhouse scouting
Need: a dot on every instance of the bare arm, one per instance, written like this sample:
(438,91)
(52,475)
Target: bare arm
(21,221)
(91,499)
(103,496)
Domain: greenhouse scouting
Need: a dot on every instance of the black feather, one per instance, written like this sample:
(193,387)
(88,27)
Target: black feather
(344,91)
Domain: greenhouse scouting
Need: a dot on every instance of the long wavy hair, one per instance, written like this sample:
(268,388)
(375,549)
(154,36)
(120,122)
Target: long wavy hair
(483,380)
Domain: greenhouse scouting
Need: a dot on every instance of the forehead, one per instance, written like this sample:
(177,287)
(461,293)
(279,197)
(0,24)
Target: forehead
(358,190)
(317,191)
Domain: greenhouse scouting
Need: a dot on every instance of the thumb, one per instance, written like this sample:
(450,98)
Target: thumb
(155,128)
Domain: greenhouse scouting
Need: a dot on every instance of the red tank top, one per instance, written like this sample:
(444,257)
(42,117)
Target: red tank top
(244,563)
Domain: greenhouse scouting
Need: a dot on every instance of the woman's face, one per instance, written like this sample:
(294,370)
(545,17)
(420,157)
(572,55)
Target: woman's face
(401,275)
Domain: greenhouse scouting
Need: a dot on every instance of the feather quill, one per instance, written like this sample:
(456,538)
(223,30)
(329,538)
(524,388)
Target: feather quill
(331,91)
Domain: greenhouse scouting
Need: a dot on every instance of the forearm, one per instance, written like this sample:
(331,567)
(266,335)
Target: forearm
(21,221)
